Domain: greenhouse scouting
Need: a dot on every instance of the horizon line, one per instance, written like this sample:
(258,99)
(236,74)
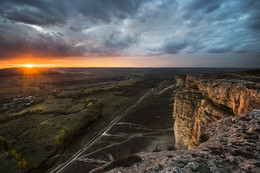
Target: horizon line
(124,67)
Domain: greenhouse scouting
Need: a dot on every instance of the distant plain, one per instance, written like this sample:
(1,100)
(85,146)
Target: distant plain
(48,115)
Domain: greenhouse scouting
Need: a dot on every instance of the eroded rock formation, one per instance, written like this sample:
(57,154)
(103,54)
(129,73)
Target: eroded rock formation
(207,98)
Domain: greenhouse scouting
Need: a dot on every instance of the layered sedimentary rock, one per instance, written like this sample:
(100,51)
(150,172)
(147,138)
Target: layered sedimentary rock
(239,95)
(229,145)
(207,98)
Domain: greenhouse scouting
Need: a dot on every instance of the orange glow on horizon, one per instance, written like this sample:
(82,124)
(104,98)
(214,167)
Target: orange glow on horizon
(31,62)
(28,65)
(29,71)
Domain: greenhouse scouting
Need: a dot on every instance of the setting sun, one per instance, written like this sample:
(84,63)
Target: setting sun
(28,65)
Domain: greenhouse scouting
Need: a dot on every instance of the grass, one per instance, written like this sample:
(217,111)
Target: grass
(125,161)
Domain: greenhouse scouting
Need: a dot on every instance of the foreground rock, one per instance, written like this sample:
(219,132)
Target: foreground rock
(207,98)
(229,145)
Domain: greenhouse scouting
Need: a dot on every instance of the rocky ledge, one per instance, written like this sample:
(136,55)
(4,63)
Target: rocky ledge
(229,145)
(203,99)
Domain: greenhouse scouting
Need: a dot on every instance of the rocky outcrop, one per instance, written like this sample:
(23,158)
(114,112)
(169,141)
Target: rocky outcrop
(231,145)
(207,98)
(238,95)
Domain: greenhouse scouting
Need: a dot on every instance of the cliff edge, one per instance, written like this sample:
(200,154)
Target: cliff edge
(203,99)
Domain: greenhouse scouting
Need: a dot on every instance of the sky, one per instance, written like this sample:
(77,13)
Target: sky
(130,33)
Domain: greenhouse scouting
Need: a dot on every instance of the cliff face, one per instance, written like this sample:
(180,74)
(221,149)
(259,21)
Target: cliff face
(207,98)
(230,145)
(239,95)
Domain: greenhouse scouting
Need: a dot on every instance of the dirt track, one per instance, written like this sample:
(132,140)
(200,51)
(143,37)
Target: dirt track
(141,127)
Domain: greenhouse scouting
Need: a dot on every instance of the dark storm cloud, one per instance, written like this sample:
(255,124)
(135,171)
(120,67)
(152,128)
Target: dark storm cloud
(34,12)
(44,13)
(173,47)
(107,10)
(76,28)
(29,41)
(221,50)
(118,40)
(128,27)
(204,5)
(56,15)
(217,27)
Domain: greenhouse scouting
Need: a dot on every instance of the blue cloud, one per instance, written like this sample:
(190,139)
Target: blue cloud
(129,27)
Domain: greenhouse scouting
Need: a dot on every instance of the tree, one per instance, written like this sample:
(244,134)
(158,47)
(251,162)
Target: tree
(13,153)
(21,161)
(22,164)
(16,156)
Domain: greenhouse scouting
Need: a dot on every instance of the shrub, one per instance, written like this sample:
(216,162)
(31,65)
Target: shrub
(64,137)
(89,104)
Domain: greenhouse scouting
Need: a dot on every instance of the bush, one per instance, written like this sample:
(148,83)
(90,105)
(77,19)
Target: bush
(64,137)
(125,161)
(89,104)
